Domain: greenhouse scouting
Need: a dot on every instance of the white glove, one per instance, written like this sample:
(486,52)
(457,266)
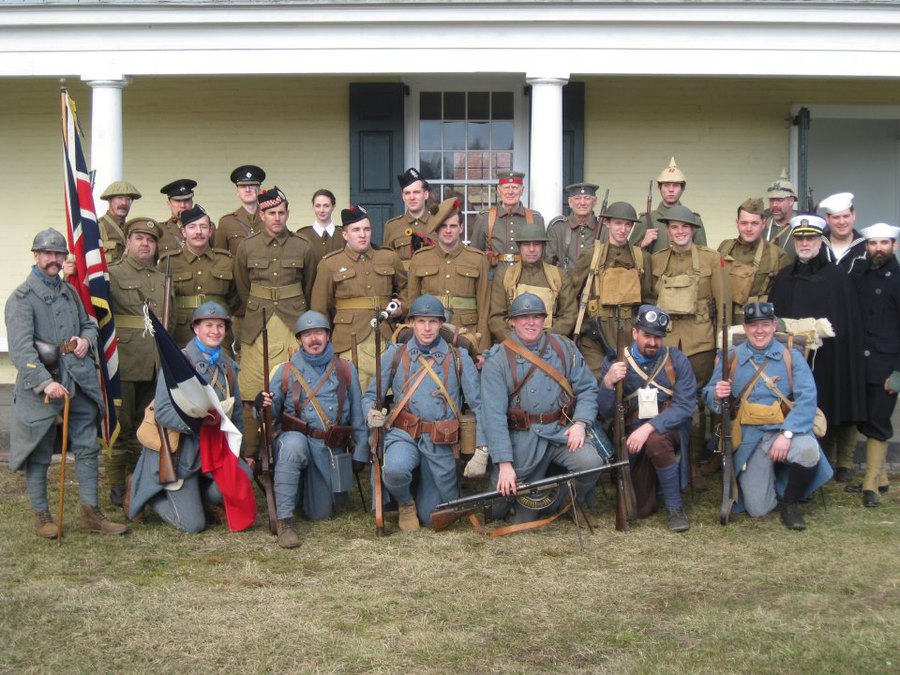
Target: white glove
(477,466)
(375,418)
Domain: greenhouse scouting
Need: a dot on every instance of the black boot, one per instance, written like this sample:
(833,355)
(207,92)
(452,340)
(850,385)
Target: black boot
(799,478)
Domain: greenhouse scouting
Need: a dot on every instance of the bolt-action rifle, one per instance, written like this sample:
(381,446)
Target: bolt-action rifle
(166,463)
(726,447)
(625,507)
(266,459)
(589,282)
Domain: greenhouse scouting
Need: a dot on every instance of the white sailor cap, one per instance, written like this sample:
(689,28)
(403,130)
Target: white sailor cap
(806,225)
(881,231)
(837,203)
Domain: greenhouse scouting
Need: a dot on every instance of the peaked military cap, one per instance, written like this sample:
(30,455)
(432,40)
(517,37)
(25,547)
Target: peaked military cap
(190,215)
(682,214)
(210,310)
(180,189)
(782,187)
(671,174)
(426,306)
(269,199)
(588,189)
(145,225)
(806,225)
(120,188)
(759,311)
(310,320)
(504,177)
(409,177)
(653,320)
(621,211)
(526,304)
(49,240)
(248,174)
(353,214)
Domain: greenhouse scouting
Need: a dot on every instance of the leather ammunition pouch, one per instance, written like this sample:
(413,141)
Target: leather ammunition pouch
(443,432)
(492,256)
(522,420)
(337,436)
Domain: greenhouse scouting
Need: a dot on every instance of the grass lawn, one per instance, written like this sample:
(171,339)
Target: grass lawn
(751,597)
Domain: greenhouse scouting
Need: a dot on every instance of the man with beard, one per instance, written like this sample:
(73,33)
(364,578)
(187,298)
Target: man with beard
(569,237)
(621,280)
(244,221)
(842,242)
(814,287)
(496,229)
(456,275)
(406,234)
(877,281)
(50,343)
(751,262)
(430,380)
(671,183)
(532,275)
(195,497)
(179,198)
(316,401)
(782,198)
(323,235)
(777,459)
(200,273)
(660,396)
(120,196)
(134,282)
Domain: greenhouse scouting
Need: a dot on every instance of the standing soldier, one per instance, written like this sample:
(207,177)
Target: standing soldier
(323,236)
(406,234)
(495,230)
(842,242)
(244,221)
(620,278)
(352,284)
(570,237)
(877,281)
(200,273)
(671,183)
(430,380)
(50,343)
(120,195)
(456,275)
(273,270)
(690,285)
(179,198)
(751,262)
(134,283)
(532,275)
(782,199)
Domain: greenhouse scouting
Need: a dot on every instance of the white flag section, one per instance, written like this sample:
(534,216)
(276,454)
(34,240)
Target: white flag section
(195,399)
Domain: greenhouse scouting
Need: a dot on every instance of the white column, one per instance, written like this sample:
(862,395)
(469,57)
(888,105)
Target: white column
(545,174)
(106,157)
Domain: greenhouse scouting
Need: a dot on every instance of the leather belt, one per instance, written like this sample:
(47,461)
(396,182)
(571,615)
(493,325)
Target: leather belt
(194,301)
(373,302)
(276,292)
(129,321)
(522,420)
(412,424)
(456,302)
(67,347)
(510,258)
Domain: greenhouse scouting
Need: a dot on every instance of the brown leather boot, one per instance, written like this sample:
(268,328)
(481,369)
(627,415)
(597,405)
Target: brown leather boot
(287,537)
(45,526)
(92,520)
(409,519)
(126,505)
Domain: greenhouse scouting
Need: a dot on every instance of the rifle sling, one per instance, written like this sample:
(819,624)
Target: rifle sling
(518,527)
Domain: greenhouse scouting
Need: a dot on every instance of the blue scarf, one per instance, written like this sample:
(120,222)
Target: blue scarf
(319,363)
(639,358)
(425,349)
(52,282)
(212,355)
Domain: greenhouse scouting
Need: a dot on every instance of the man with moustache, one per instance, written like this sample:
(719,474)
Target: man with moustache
(456,275)
(244,221)
(782,200)
(316,402)
(496,229)
(532,275)
(430,380)
(179,198)
(815,287)
(354,283)
(842,242)
(568,237)
(323,235)
(751,262)
(671,183)
(777,463)
(120,196)
(274,270)
(877,282)
(134,283)
(51,339)
(406,234)
(621,281)
(200,273)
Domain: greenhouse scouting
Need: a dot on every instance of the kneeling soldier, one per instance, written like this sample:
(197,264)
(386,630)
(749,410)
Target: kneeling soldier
(660,397)
(429,379)
(777,458)
(316,398)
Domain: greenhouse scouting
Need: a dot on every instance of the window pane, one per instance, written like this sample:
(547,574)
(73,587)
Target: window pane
(430,105)
(455,136)
(430,135)
(452,161)
(454,106)
(502,135)
(479,136)
(502,162)
(479,103)
(502,105)
(480,166)
(430,165)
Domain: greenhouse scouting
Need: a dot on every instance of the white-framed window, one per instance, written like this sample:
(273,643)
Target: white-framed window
(460,133)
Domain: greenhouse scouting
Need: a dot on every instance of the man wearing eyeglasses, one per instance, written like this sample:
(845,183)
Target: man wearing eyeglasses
(777,458)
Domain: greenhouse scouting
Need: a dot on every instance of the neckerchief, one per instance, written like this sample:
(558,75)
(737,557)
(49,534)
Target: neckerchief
(211,354)
(319,363)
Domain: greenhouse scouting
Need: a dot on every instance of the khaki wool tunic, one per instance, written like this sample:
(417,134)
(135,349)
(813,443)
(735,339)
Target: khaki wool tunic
(113,238)
(234,227)
(662,241)
(322,246)
(398,233)
(771,260)
(568,240)
(505,228)
(171,239)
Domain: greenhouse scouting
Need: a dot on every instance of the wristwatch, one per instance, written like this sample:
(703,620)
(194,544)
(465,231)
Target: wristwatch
(788,434)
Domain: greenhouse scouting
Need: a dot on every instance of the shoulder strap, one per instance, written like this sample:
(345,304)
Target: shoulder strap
(557,376)
(492,218)
(554,277)
(441,383)
(651,378)
(511,276)
(411,385)
(529,216)
(311,393)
